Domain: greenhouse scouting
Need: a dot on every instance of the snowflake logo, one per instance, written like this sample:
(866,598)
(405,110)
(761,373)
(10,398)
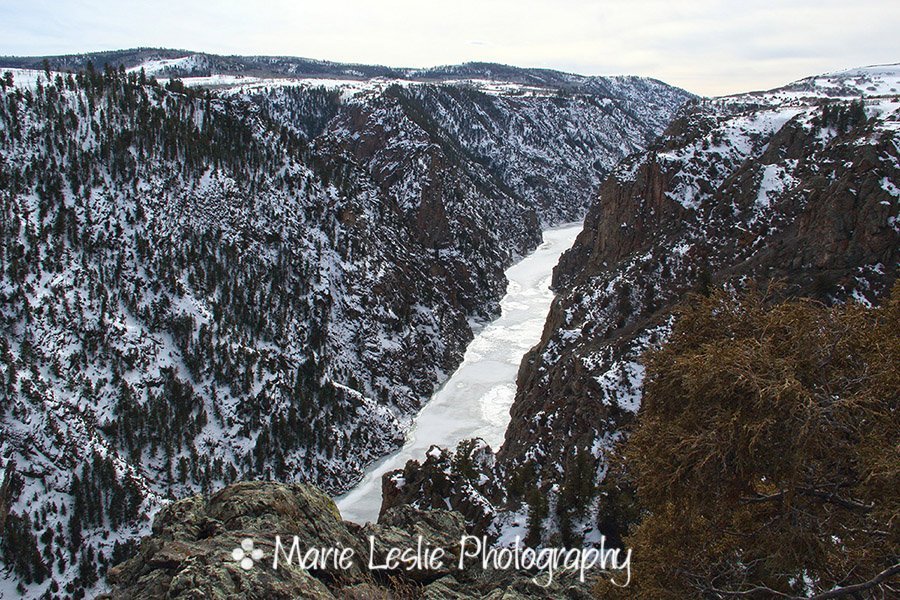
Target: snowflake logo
(246,555)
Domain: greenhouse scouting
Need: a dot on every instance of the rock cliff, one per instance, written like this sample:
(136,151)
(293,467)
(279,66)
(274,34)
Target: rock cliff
(798,187)
(229,277)
(191,553)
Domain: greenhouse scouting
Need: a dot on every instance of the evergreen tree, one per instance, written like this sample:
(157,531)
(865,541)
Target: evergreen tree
(20,550)
(765,457)
(537,512)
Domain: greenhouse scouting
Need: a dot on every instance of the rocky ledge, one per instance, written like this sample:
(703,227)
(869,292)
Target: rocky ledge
(193,552)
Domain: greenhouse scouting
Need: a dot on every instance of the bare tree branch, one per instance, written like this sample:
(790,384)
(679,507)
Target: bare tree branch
(859,587)
(835,593)
(829,497)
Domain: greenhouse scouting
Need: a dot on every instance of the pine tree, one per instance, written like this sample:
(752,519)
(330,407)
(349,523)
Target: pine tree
(20,549)
(537,512)
(765,455)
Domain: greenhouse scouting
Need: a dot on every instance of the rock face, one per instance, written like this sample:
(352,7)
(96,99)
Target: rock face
(799,186)
(261,280)
(738,189)
(189,552)
(464,479)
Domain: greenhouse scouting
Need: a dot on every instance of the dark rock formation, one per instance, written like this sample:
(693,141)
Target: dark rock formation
(463,478)
(189,553)
(802,207)
(797,189)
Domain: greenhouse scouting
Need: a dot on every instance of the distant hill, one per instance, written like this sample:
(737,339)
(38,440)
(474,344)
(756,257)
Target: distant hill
(165,62)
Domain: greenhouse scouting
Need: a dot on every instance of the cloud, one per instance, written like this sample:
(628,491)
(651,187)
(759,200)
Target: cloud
(706,46)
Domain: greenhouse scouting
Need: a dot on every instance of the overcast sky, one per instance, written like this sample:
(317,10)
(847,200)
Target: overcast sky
(706,46)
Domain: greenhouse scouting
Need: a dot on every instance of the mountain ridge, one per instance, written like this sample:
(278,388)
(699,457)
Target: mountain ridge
(206,285)
(195,63)
(797,185)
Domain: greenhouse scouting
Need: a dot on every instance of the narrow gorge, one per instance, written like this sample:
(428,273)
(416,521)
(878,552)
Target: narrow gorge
(474,402)
(252,297)
(226,269)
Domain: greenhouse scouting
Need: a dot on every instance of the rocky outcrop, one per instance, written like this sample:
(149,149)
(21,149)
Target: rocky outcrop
(7,478)
(191,553)
(795,188)
(769,192)
(463,479)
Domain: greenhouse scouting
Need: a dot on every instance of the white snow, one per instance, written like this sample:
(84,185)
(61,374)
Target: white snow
(775,180)
(27,78)
(349,87)
(475,401)
(161,66)
(888,186)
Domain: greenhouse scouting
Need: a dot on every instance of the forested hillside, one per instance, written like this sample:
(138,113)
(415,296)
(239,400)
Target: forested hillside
(797,189)
(204,286)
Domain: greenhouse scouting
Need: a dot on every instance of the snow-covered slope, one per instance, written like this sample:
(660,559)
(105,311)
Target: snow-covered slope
(550,137)
(874,80)
(191,296)
(254,282)
(798,185)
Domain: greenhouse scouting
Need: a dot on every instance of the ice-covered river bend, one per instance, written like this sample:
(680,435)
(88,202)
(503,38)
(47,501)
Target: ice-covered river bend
(475,400)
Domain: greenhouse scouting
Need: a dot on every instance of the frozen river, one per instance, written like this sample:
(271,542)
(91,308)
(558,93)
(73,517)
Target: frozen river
(475,400)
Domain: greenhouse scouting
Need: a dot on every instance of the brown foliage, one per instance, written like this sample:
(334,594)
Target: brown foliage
(766,453)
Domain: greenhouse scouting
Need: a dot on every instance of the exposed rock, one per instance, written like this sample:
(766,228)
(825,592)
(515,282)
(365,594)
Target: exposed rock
(463,480)
(400,527)
(189,554)
(800,207)
(184,270)
(735,191)
(499,585)
(759,187)
(7,477)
